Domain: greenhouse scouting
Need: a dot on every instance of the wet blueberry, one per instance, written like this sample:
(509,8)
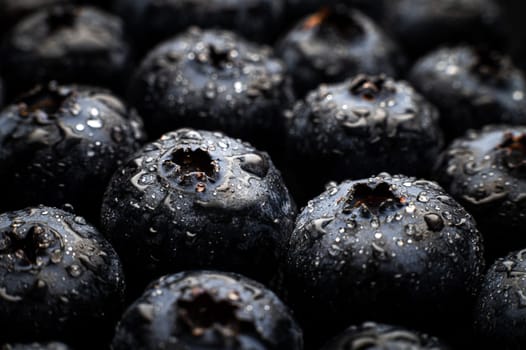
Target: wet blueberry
(213,80)
(207,310)
(70,44)
(471,87)
(363,126)
(151,21)
(355,43)
(35,346)
(59,278)
(61,144)
(500,314)
(388,248)
(421,25)
(373,336)
(197,199)
(486,172)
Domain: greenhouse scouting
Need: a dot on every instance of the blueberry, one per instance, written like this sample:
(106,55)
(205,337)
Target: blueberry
(363,126)
(486,171)
(197,199)
(356,45)
(71,44)
(471,87)
(150,21)
(500,314)
(421,25)
(213,80)
(59,278)
(61,144)
(207,310)
(373,336)
(389,248)
(35,346)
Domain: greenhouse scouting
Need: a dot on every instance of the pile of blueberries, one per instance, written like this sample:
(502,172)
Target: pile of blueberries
(261,174)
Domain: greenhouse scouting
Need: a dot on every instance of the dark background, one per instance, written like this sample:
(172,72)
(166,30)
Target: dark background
(516,13)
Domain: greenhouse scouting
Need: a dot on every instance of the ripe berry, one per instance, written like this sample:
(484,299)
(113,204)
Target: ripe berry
(207,310)
(213,80)
(388,248)
(197,199)
(363,126)
(61,144)
(356,45)
(471,87)
(500,314)
(70,44)
(486,172)
(60,278)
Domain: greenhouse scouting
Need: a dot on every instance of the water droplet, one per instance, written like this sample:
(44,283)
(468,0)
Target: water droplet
(319,226)
(434,222)
(56,256)
(80,127)
(94,112)
(75,109)
(254,164)
(94,123)
(80,220)
(518,95)
(422,197)
(74,270)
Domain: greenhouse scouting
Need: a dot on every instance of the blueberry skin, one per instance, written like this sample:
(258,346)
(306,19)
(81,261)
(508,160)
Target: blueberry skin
(485,171)
(471,87)
(499,315)
(422,25)
(363,126)
(59,277)
(61,144)
(389,248)
(207,310)
(150,22)
(36,346)
(70,44)
(356,45)
(373,336)
(198,199)
(213,80)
